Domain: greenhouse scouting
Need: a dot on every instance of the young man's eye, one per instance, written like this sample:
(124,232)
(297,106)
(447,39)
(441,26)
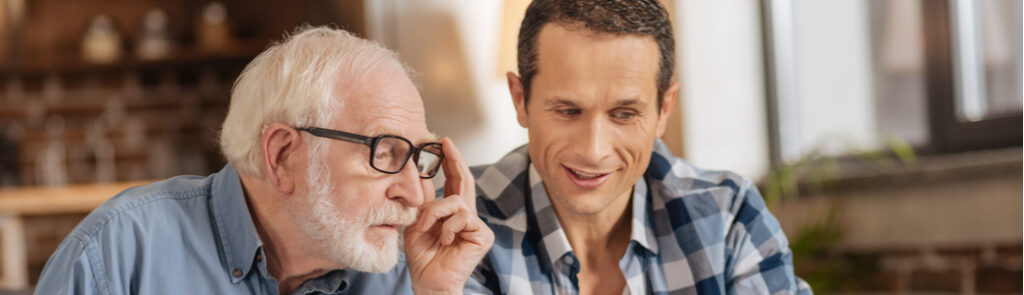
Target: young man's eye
(569,112)
(624,115)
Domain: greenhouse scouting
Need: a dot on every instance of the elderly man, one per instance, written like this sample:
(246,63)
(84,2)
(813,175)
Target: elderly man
(330,160)
(596,203)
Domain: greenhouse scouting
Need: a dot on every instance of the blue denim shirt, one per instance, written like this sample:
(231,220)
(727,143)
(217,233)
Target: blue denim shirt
(184,235)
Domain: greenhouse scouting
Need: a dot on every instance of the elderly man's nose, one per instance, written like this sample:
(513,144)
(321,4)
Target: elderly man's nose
(407,188)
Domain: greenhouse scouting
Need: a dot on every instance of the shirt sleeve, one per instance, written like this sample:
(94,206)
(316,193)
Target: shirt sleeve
(71,271)
(762,260)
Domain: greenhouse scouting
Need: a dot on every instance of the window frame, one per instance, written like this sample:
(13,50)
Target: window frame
(947,133)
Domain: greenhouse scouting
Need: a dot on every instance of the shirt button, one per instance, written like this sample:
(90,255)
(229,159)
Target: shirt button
(237,273)
(568,259)
(259,257)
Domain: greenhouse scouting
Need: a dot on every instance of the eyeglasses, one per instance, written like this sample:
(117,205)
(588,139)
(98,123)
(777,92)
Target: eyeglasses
(390,153)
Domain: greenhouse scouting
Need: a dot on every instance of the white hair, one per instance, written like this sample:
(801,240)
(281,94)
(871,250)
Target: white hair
(294,82)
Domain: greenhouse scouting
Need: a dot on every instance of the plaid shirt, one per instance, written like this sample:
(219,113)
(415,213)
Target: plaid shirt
(693,232)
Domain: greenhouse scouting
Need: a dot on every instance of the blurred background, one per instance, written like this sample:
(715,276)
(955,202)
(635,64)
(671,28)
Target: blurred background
(884,134)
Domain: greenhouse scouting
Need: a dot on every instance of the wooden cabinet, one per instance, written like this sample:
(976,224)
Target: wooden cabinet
(67,121)
(117,124)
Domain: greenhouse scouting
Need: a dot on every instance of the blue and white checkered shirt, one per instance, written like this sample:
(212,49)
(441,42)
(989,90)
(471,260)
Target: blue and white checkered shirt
(693,232)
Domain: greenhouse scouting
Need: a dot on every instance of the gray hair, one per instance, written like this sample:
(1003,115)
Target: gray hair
(294,82)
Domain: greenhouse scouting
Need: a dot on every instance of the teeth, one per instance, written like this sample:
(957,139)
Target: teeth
(585,175)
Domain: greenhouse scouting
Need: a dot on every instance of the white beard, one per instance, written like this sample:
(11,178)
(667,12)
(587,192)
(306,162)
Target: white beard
(343,238)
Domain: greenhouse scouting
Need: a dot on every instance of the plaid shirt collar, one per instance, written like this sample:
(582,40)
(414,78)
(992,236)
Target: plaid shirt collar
(553,244)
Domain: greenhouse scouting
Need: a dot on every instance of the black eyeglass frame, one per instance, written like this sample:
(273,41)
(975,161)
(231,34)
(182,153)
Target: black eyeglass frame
(372,142)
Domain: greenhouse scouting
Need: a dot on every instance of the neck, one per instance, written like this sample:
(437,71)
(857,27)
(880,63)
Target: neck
(287,248)
(601,237)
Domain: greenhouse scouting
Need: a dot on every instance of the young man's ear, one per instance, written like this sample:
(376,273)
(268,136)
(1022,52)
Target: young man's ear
(667,103)
(515,87)
(280,160)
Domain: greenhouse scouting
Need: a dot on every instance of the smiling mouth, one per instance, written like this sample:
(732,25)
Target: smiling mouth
(586,176)
(587,180)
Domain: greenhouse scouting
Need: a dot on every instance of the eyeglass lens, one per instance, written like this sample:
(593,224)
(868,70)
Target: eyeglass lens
(391,153)
(429,160)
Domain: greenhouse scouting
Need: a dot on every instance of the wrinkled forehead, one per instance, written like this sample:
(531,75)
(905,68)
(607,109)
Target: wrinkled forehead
(381,101)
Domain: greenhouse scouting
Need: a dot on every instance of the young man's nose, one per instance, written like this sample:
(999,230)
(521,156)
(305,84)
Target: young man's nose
(593,144)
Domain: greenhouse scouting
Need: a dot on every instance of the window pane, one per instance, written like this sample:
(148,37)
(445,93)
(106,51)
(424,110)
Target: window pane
(988,54)
(899,73)
(859,77)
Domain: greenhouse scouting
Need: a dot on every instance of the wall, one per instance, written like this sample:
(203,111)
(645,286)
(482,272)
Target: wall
(722,77)
(454,47)
(947,224)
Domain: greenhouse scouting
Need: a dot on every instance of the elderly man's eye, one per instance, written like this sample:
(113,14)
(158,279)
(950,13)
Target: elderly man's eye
(383,152)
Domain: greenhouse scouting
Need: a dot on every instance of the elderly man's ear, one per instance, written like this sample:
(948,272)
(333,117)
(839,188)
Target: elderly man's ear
(280,160)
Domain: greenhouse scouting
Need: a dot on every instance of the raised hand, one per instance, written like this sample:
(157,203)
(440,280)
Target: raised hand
(448,239)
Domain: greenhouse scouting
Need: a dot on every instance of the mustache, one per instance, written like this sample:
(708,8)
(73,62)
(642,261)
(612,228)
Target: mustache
(392,213)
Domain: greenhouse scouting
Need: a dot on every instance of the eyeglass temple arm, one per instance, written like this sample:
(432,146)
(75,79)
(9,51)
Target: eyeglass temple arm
(340,135)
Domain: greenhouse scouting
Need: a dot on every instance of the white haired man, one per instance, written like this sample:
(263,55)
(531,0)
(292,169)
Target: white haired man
(316,199)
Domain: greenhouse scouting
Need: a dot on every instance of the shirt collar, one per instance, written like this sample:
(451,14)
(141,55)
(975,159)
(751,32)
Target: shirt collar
(333,282)
(553,244)
(237,234)
(641,231)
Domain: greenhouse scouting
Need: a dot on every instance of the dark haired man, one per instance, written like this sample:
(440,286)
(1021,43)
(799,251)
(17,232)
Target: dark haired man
(596,203)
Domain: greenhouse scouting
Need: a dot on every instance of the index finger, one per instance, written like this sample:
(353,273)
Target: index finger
(428,191)
(458,179)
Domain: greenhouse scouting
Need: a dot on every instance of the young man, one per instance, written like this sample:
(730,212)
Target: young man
(330,158)
(595,203)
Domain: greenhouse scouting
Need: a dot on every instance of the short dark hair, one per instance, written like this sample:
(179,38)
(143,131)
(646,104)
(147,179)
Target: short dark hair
(619,17)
